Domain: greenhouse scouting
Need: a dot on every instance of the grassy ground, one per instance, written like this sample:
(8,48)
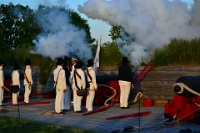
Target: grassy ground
(15,125)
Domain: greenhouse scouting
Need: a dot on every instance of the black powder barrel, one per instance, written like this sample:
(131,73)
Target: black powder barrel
(193,82)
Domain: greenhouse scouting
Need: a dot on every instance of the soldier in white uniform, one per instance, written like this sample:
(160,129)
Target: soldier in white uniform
(91,78)
(61,86)
(15,81)
(1,83)
(80,83)
(28,81)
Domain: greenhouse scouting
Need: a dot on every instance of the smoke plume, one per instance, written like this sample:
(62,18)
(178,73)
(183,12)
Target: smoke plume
(152,22)
(59,37)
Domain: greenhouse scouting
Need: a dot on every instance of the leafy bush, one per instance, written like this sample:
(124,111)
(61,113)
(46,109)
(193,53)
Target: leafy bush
(110,55)
(178,52)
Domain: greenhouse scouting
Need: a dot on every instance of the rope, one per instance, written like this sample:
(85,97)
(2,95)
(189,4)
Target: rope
(138,96)
(110,98)
(183,86)
(113,98)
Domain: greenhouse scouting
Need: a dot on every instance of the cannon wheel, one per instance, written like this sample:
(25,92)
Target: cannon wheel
(197,117)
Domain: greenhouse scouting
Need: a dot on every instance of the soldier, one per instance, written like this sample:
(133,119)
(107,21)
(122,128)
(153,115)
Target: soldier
(91,78)
(67,95)
(15,81)
(60,85)
(28,81)
(125,79)
(1,82)
(77,82)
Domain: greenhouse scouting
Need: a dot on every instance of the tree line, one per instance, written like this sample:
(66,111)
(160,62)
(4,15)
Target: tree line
(18,25)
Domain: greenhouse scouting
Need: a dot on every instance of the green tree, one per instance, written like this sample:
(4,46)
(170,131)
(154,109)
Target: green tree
(1,34)
(17,25)
(110,55)
(28,28)
(119,32)
(115,32)
(8,27)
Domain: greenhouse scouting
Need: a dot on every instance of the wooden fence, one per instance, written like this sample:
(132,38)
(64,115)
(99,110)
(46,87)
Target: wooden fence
(157,84)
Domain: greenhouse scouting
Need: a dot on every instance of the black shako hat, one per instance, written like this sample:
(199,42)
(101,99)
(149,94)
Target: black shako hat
(78,64)
(89,63)
(125,60)
(27,62)
(16,66)
(59,61)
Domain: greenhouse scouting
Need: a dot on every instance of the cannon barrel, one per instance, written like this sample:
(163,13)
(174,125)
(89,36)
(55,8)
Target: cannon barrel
(103,79)
(193,82)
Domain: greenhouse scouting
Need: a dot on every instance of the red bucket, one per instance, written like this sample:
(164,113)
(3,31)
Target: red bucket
(148,102)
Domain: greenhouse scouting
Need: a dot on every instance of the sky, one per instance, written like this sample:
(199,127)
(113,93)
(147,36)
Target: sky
(152,23)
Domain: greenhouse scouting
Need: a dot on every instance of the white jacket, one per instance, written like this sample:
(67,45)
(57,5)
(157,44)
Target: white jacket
(28,73)
(15,78)
(93,83)
(80,82)
(59,77)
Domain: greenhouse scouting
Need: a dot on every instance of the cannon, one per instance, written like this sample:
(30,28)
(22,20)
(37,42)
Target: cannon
(187,86)
(186,99)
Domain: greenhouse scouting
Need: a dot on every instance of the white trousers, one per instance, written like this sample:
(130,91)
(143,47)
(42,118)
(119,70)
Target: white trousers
(1,95)
(125,88)
(67,99)
(76,101)
(14,98)
(59,101)
(89,100)
(27,94)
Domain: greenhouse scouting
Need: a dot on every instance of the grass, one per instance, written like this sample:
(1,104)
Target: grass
(178,52)
(14,125)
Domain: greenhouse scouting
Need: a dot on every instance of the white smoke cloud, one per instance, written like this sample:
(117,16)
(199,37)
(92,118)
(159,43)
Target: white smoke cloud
(152,22)
(60,38)
(136,53)
(196,13)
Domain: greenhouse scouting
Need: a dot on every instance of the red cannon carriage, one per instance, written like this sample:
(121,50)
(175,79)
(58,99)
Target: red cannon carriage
(186,101)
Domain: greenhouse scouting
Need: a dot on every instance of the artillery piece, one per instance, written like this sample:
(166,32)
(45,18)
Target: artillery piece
(186,99)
